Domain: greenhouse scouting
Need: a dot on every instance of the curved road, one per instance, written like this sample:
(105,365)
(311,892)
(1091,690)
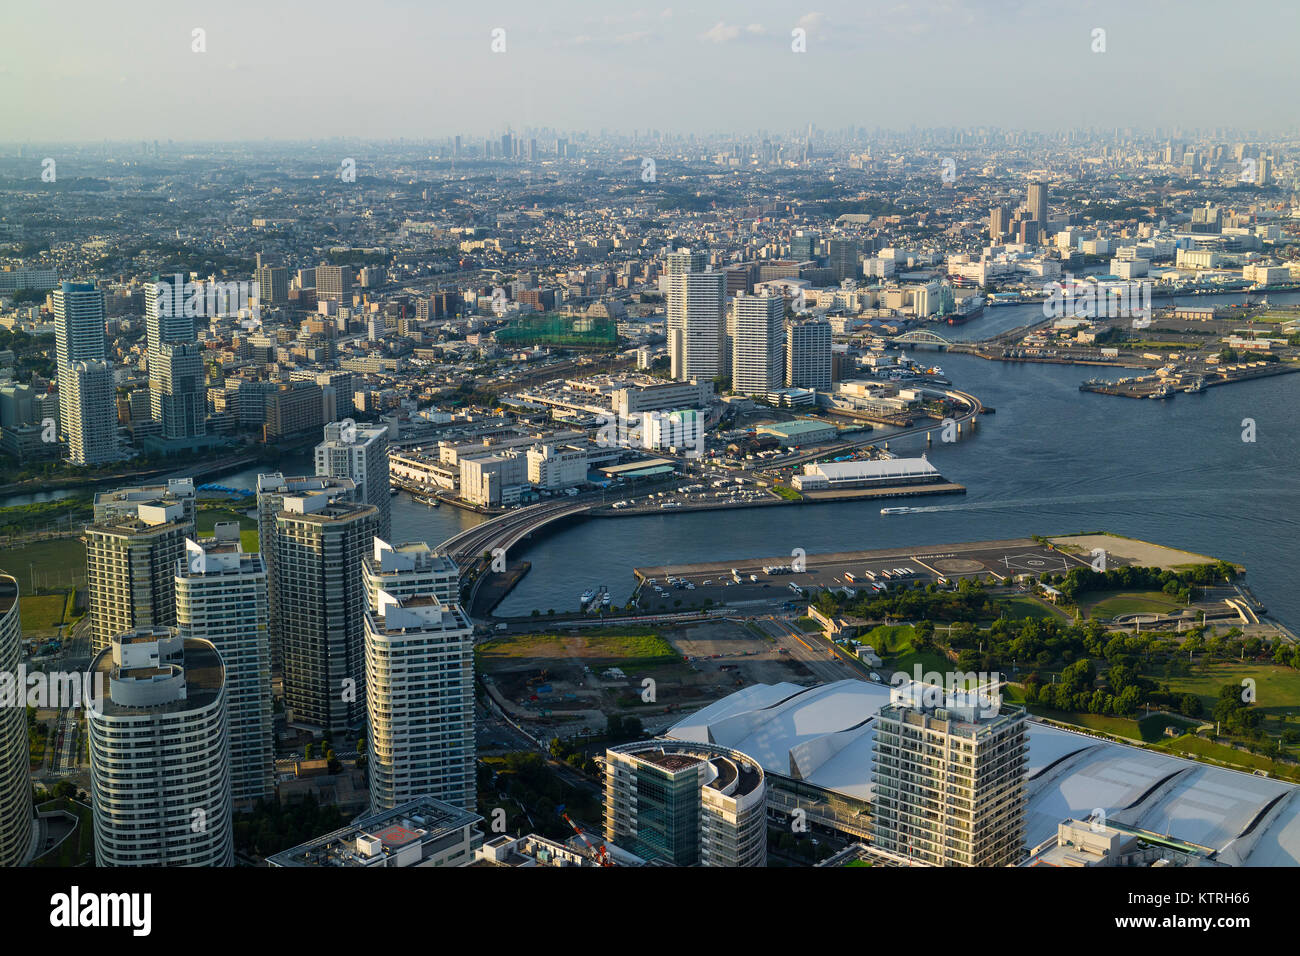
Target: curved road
(505,531)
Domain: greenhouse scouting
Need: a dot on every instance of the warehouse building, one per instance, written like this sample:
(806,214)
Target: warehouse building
(891,472)
(803,431)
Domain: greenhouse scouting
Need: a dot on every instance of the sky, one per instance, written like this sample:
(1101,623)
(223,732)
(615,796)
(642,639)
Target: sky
(86,70)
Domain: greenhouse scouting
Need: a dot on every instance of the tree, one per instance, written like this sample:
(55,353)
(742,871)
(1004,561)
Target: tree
(1079,676)
(1126,704)
(309,752)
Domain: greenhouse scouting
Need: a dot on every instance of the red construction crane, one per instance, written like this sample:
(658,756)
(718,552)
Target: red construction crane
(601,856)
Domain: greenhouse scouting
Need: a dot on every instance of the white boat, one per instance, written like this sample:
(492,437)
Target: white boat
(587,595)
(896,511)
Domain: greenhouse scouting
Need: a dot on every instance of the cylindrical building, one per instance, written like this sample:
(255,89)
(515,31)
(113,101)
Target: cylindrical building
(686,804)
(15,782)
(159,752)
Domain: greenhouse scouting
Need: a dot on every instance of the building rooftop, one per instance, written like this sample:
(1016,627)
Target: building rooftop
(374,839)
(886,468)
(199,666)
(801,426)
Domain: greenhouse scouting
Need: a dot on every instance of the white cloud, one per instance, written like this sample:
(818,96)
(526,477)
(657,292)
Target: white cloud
(723,32)
(720,33)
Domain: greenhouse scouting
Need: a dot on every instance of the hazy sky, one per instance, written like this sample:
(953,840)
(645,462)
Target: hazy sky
(91,69)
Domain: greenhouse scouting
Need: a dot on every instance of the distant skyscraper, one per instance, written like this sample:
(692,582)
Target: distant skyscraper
(808,354)
(420,690)
(78,324)
(221,598)
(949,777)
(334,282)
(359,452)
(88,413)
(170,320)
(803,246)
(1037,203)
(87,410)
(842,258)
(160,753)
(272,284)
(999,223)
(131,552)
(320,545)
(177,393)
(272,490)
(696,318)
(758,354)
(165,315)
(15,784)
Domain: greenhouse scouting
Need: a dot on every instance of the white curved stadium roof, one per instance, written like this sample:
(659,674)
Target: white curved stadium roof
(824,735)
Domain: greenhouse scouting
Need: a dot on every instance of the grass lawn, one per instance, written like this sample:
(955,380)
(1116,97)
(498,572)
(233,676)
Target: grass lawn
(1107,604)
(207,517)
(635,647)
(1119,726)
(1277,689)
(41,614)
(1208,750)
(1020,608)
(78,847)
(1277,692)
(1153,727)
(57,563)
(893,642)
(808,625)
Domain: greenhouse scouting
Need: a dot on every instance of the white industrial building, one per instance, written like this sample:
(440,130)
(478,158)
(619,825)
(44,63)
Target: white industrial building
(553,467)
(832,476)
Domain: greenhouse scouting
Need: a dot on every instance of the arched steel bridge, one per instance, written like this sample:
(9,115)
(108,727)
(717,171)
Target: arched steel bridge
(921,337)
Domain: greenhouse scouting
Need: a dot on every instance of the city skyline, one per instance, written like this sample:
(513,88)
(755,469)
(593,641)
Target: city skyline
(740,436)
(982,62)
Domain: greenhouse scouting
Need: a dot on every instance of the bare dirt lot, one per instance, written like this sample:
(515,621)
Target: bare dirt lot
(569,681)
(754,657)
(1128,551)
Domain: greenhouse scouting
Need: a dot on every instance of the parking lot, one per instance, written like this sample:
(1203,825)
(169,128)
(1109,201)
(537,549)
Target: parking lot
(770,580)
